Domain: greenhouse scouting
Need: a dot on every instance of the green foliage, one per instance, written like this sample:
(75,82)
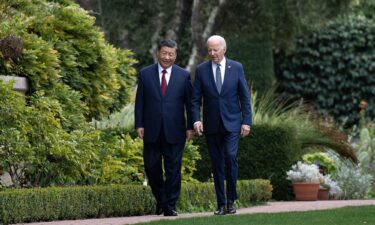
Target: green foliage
(57,203)
(322,160)
(311,132)
(189,160)
(351,178)
(365,8)
(281,134)
(14,144)
(333,69)
(364,144)
(64,50)
(39,153)
(255,53)
(124,119)
(266,153)
(121,159)
(118,123)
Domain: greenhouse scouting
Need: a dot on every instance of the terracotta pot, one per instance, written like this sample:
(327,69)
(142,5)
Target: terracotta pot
(306,191)
(323,194)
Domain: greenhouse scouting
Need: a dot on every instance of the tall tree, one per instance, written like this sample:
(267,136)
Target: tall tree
(202,28)
(259,26)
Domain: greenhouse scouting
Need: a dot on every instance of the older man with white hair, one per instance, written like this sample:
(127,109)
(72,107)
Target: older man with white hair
(221,84)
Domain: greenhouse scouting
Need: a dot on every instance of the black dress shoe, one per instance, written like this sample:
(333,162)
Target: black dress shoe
(231,209)
(170,212)
(159,210)
(220,211)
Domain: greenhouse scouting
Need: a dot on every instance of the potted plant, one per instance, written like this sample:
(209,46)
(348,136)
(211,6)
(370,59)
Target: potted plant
(306,181)
(329,189)
(326,166)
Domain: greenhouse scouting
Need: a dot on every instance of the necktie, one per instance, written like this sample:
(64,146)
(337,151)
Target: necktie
(219,82)
(163,86)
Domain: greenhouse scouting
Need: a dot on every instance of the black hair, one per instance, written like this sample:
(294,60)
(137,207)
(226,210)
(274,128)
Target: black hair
(167,43)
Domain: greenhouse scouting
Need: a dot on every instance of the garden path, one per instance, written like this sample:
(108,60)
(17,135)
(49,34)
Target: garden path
(270,207)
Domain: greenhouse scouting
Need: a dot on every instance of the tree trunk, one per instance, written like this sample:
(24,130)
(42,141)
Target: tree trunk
(181,16)
(155,37)
(200,34)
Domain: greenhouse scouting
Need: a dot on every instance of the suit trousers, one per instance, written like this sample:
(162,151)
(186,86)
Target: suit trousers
(166,192)
(222,148)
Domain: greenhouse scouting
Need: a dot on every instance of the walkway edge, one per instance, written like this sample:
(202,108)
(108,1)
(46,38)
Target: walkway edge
(271,207)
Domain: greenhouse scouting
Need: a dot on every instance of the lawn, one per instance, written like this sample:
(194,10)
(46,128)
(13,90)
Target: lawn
(353,215)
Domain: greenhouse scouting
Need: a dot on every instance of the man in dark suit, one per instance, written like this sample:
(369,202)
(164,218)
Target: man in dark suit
(163,97)
(221,84)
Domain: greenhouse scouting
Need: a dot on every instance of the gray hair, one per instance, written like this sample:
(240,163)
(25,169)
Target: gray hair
(223,44)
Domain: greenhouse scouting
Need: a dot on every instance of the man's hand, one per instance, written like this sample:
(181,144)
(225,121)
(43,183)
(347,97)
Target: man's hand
(245,130)
(140,132)
(189,134)
(198,127)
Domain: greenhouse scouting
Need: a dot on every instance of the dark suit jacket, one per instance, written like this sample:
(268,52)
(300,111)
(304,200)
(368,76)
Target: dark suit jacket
(153,111)
(232,105)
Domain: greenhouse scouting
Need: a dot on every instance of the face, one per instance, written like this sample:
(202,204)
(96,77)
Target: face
(166,56)
(216,51)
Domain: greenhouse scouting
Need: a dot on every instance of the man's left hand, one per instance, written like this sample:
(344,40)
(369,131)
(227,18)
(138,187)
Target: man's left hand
(245,130)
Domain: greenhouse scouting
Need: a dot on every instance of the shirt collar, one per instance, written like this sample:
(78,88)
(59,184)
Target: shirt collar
(222,63)
(169,69)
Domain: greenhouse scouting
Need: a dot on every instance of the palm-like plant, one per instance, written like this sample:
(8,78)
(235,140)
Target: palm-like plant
(311,131)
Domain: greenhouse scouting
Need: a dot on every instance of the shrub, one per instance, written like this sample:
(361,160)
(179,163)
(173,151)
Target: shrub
(333,68)
(364,145)
(63,49)
(62,203)
(354,182)
(266,153)
(123,122)
(322,160)
(39,153)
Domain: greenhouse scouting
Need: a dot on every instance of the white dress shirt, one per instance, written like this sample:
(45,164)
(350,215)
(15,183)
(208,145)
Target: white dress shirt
(222,69)
(167,75)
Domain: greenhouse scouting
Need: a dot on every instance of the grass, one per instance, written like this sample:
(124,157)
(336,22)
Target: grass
(353,215)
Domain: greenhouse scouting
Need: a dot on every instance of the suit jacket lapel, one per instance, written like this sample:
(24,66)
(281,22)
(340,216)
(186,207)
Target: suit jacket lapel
(171,81)
(228,67)
(211,76)
(156,80)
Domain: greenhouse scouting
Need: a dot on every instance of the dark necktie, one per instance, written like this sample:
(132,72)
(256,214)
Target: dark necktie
(219,82)
(163,86)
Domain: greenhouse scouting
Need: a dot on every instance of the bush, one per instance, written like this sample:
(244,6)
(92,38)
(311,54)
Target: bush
(62,203)
(333,68)
(64,50)
(267,153)
(39,153)
(351,178)
(322,160)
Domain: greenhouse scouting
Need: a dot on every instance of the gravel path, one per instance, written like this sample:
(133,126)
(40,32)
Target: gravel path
(268,208)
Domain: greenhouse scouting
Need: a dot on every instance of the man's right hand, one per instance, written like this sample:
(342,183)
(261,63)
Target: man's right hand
(198,127)
(140,132)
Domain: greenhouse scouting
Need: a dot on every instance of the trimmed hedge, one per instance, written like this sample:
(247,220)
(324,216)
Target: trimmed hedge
(267,153)
(58,203)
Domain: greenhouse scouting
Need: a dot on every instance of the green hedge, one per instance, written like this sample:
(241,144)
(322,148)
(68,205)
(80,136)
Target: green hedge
(267,153)
(333,68)
(58,203)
